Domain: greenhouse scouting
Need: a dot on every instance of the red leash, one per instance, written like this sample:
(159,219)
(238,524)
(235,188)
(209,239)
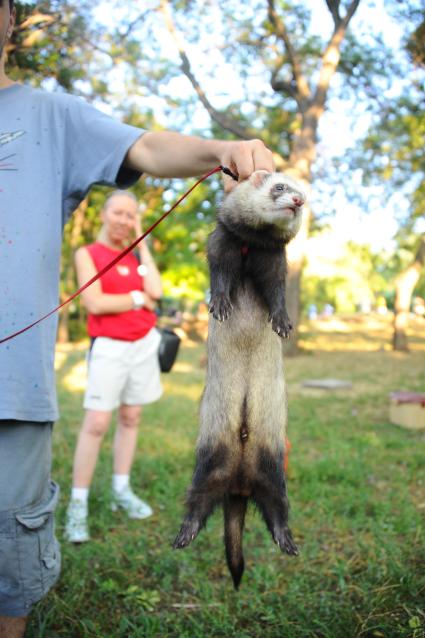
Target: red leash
(122,254)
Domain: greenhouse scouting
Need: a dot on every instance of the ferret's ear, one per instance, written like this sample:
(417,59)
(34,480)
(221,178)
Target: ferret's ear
(258,178)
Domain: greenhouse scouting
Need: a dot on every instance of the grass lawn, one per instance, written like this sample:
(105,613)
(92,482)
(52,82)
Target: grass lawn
(357,491)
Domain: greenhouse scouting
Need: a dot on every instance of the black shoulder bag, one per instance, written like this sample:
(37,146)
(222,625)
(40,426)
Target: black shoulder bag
(168,348)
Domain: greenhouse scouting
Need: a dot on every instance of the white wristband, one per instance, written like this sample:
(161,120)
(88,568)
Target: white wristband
(138,299)
(142,270)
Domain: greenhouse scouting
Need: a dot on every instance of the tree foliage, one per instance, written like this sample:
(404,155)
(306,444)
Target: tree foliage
(50,43)
(393,155)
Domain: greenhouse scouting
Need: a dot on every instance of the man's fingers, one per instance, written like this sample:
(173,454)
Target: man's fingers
(263,159)
(229,183)
(243,158)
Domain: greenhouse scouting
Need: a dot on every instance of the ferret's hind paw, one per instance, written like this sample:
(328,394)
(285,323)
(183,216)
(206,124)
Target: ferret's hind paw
(220,307)
(285,542)
(188,531)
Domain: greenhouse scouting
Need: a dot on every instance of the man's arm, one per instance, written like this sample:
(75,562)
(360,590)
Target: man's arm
(169,154)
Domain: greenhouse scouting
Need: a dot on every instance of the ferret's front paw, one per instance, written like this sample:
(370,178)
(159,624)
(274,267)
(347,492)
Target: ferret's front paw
(281,324)
(220,307)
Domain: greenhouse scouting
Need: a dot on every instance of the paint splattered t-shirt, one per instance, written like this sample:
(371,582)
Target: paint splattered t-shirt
(53,148)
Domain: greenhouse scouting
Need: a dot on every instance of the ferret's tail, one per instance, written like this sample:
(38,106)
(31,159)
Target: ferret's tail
(234,517)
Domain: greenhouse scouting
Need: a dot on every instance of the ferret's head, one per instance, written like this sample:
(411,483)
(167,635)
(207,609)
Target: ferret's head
(267,199)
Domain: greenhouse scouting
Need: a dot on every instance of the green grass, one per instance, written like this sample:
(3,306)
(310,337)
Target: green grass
(357,491)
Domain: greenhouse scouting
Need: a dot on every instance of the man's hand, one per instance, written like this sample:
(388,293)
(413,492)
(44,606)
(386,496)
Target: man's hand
(243,158)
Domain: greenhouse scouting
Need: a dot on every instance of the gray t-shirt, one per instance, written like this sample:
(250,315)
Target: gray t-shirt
(53,148)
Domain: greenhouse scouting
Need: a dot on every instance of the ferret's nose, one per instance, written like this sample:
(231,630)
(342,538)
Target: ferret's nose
(298,201)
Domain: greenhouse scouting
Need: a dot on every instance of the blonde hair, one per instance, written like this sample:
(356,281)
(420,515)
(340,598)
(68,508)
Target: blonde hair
(120,193)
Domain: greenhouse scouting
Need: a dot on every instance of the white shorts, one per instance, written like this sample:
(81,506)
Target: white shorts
(123,372)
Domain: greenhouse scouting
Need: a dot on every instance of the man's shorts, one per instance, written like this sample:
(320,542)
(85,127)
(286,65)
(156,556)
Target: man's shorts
(123,372)
(29,551)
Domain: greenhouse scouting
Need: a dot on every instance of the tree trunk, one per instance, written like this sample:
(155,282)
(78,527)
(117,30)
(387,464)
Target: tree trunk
(303,154)
(295,251)
(405,284)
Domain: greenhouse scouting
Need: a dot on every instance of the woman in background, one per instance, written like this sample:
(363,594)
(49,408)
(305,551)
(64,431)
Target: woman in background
(123,368)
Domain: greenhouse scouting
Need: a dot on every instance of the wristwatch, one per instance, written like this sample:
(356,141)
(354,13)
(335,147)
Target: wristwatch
(138,299)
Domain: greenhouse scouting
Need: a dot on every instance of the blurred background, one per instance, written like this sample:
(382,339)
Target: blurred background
(334,88)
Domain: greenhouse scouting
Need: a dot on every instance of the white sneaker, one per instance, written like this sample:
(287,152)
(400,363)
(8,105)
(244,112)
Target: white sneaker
(132,504)
(76,528)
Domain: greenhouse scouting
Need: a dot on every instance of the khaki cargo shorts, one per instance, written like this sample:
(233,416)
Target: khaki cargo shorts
(29,551)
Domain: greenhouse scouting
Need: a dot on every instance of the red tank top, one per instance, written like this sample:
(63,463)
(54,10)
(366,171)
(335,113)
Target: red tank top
(120,279)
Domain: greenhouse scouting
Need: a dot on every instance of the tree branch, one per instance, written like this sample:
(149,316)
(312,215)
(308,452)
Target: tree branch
(333,6)
(140,18)
(280,86)
(227,123)
(301,88)
(350,12)
(332,54)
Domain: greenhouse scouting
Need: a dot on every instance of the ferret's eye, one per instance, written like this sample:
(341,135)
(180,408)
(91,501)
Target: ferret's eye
(282,187)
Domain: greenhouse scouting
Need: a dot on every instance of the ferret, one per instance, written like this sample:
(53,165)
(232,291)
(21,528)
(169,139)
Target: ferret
(243,413)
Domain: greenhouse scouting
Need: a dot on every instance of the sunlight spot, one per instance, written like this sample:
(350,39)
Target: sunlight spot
(183,366)
(372,439)
(174,445)
(192,392)
(60,358)
(365,333)
(333,56)
(76,379)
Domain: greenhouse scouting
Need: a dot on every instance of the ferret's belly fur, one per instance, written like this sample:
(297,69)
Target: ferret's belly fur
(243,407)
